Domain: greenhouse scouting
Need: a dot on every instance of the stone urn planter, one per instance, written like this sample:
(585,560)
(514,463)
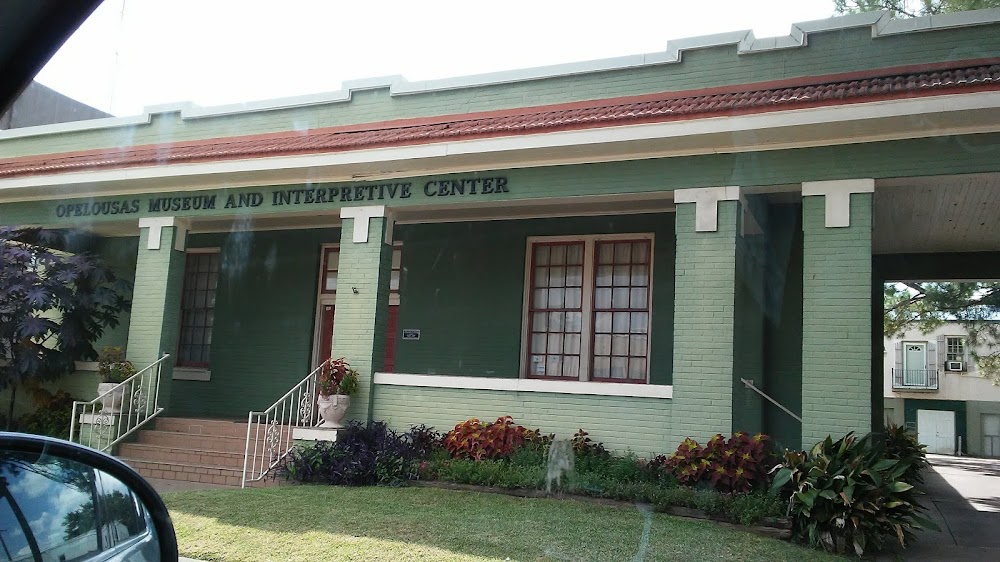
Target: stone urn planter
(111,403)
(336,383)
(332,410)
(113,368)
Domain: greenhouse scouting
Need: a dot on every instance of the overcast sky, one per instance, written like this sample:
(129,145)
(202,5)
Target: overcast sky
(134,53)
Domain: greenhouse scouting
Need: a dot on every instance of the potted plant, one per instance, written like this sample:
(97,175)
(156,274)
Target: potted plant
(336,383)
(113,369)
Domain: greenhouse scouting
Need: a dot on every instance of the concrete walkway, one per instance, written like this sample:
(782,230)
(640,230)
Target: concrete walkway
(963,498)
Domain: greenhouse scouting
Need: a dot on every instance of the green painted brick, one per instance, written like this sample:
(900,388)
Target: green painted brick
(836,310)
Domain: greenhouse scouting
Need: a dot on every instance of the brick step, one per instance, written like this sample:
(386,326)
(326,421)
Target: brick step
(197,441)
(185,455)
(220,428)
(193,473)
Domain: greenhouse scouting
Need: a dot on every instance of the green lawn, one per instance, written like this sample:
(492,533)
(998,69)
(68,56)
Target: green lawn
(291,523)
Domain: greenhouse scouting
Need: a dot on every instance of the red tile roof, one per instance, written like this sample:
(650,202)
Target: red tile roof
(654,108)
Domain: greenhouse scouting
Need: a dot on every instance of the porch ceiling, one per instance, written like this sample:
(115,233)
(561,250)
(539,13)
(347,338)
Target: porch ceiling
(937,214)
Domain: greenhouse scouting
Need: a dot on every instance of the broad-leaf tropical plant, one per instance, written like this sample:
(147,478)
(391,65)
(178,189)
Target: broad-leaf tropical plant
(54,305)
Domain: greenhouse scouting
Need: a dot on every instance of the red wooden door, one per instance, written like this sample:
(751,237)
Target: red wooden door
(326,337)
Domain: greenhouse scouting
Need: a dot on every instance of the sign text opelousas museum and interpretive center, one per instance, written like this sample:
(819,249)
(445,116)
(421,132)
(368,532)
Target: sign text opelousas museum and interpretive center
(284,198)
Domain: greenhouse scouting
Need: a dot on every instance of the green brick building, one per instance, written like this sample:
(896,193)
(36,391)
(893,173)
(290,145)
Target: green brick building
(623,245)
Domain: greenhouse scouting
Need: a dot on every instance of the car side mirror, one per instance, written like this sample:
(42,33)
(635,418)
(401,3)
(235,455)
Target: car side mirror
(63,501)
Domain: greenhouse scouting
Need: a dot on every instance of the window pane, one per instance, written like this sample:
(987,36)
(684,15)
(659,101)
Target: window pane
(603,276)
(574,276)
(637,369)
(571,367)
(640,275)
(623,253)
(332,260)
(605,253)
(640,252)
(602,344)
(542,255)
(553,365)
(557,277)
(620,298)
(555,343)
(639,323)
(620,323)
(540,322)
(619,345)
(602,298)
(619,365)
(574,298)
(602,322)
(637,346)
(557,298)
(574,254)
(394,281)
(556,321)
(537,343)
(397,258)
(602,367)
(572,344)
(541,299)
(622,275)
(331,281)
(637,298)
(558,255)
(574,322)
(541,277)
(197,306)
(537,365)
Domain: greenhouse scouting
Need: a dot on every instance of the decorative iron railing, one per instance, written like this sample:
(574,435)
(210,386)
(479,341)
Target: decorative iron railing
(915,379)
(104,421)
(270,432)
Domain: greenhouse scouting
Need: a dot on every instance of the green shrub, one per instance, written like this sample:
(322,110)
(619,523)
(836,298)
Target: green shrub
(52,415)
(847,496)
(748,509)
(502,474)
(902,444)
(584,446)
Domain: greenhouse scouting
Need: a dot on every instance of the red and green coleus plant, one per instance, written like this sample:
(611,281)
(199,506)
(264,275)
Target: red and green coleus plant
(337,377)
(473,439)
(738,464)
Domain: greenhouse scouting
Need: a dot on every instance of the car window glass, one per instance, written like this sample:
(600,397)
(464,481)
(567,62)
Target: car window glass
(47,509)
(122,518)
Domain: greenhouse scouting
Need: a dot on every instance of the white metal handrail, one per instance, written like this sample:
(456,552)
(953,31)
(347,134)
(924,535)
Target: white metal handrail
(269,433)
(103,422)
(749,384)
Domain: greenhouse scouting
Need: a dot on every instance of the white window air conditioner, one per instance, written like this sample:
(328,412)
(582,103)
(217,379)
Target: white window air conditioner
(954,366)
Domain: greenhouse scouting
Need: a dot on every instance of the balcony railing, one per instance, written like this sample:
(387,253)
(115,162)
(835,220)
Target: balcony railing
(915,379)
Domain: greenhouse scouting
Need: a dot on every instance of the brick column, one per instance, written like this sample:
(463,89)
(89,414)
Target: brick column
(155,318)
(836,308)
(359,322)
(704,311)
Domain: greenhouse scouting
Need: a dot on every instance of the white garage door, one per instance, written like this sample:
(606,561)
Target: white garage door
(936,429)
(991,435)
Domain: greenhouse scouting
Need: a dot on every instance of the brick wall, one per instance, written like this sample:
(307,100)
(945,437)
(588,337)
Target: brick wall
(836,321)
(359,320)
(156,305)
(703,324)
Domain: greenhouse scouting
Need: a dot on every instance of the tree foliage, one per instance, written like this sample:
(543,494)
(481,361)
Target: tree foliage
(912,8)
(53,305)
(926,306)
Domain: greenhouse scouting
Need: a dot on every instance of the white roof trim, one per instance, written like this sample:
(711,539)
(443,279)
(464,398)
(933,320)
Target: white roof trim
(746,43)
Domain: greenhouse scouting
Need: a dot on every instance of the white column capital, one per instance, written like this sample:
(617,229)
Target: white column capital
(706,200)
(838,197)
(155,226)
(362,215)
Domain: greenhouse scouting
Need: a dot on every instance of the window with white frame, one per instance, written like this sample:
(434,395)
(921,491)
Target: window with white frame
(588,307)
(201,278)
(954,349)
